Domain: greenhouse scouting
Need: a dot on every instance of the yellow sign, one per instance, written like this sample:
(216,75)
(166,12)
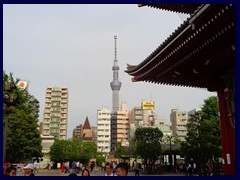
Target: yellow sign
(147,105)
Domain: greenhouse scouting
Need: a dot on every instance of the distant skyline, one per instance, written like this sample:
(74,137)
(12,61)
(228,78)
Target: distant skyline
(72,45)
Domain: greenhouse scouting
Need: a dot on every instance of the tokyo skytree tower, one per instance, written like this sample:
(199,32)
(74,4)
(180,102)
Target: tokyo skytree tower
(115,84)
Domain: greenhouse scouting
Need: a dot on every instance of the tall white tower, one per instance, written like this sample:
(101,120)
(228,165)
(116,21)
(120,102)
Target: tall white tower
(115,84)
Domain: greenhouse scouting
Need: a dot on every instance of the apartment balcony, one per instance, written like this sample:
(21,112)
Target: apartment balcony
(64,100)
(47,111)
(104,133)
(181,129)
(103,128)
(104,139)
(184,123)
(65,96)
(182,133)
(103,145)
(46,116)
(48,95)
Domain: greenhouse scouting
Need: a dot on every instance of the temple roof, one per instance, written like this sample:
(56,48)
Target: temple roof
(180,8)
(196,54)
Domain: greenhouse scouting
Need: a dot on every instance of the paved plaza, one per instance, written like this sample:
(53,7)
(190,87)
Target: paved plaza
(96,172)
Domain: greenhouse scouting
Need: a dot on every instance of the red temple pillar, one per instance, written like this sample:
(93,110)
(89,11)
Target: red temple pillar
(227,123)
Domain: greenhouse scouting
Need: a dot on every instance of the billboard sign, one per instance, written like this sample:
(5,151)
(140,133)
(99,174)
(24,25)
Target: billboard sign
(147,105)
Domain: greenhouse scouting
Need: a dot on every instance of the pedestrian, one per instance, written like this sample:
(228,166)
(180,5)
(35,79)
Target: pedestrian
(122,169)
(62,171)
(208,168)
(92,166)
(191,169)
(10,171)
(108,170)
(181,167)
(47,167)
(80,167)
(103,165)
(137,169)
(114,165)
(29,168)
(85,172)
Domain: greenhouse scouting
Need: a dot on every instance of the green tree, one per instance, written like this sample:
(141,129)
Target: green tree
(23,137)
(73,150)
(121,150)
(148,144)
(203,138)
(59,151)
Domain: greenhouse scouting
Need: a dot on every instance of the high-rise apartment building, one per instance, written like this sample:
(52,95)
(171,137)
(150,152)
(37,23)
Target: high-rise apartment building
(104,130)
(178,120)
(123,125)
(135,120)
(120,127)
(77,131)
(193,111)
(136,117)
(55,116)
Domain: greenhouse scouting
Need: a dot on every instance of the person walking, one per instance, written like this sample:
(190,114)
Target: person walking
(92,166)
(137,169)
(191,169)
(29,168)
(62,168)
(103,165)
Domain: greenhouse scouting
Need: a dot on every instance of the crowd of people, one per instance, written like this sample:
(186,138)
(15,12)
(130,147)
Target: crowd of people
(28,170)
(109,169)
(114,169)
(192,169)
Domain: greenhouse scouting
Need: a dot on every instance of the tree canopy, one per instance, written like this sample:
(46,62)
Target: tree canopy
(73,150)
(203,139)
(148,142)
(23,137)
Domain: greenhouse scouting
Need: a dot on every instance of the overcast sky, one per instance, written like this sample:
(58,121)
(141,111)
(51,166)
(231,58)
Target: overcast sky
(73,46)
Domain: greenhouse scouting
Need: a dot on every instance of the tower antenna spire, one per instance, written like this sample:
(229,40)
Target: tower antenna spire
(115,47)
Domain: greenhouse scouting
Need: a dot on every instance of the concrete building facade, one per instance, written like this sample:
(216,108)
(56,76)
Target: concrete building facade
(123,125)
(55,116)
(178,121)
(46,143)
(77,131)
(104,130)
